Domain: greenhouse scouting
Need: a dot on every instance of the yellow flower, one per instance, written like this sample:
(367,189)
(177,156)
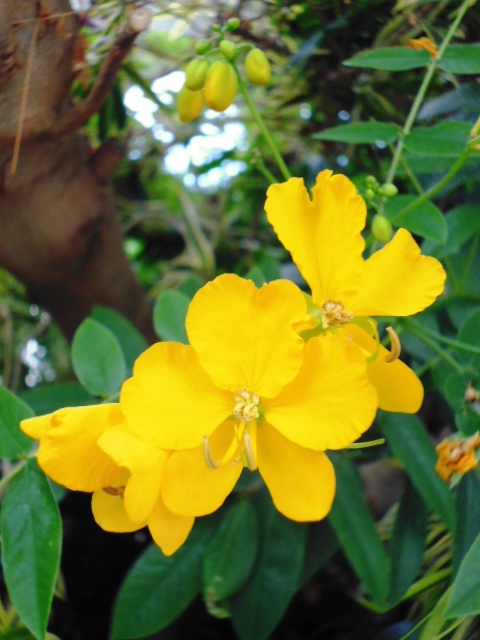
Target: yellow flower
(91,449)
(324,237)
(249,392)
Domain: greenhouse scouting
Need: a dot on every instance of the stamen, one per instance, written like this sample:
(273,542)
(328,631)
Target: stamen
(334,314)
(207,454)
(249,455)
(395,345)
(114,491)
(246,408)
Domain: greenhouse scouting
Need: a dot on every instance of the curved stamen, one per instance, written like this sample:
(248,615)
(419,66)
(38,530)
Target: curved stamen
(249,455)
(207,454)
(395,345)
(114,491)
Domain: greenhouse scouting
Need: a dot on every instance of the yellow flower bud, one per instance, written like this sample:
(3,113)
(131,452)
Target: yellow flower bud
(381,229)
(220,86)
(189,104)
(195,74)
(257,67)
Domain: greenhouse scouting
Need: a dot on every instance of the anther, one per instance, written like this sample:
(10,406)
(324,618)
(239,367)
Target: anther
(395,345)
(114,491)
(207,454)
(248,450)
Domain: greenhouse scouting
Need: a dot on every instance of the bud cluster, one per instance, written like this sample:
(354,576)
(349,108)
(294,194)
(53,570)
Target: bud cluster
(212,78)
(381,226)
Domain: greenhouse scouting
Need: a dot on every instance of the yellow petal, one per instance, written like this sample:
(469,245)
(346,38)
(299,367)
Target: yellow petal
(36,427)
(69,453)
(397,386)
(109,513)
(244,336)
(301,481)
(168,530)
(398,280)
(331,402)
(189,487)
(323,235)
(145,464)
(170,402)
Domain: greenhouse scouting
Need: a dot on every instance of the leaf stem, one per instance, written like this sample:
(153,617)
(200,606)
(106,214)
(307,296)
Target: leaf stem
(451,342)
(16,469)
(420,333)
(261,125)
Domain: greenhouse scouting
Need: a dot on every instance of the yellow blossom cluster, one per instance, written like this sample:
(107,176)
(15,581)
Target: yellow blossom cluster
(272,378)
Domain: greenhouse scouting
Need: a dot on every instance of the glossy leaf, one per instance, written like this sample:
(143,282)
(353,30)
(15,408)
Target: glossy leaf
(360,133)
(462,223)
(231,553)
(446,139)
(468,517)
(408,543)
(169,316)
(355,529)
(32,537)
(97,359)
(465,596)
(130,339)
(461,58)
(51,397)
(259,607)
(411,444)
(159,588)
(426,220)
(390,59)
(13,443)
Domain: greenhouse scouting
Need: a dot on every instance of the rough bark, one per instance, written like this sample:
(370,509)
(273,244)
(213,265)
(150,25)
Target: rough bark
(58,230)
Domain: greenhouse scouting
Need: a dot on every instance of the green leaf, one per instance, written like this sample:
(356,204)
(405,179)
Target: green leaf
(462,223)
(51,397)
(411,444)
(13,443)
(98,359)
(360,133)
(32,537)
(257,276)
(130,339)
(258,608)
(469,332)
(169,316)
(446,139)
(225,567)
(355,529)
(465,596)
(322,543)
(390,59)
(159,588)
(408,543)
(468,517)
(461,58)
(426,220)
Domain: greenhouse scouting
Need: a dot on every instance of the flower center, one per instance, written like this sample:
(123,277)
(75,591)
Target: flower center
(334,314)
(246,407)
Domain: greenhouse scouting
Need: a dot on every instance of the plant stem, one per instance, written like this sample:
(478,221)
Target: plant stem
(423,89)
(451,342)
(420,333)
(261,125)
(426,582)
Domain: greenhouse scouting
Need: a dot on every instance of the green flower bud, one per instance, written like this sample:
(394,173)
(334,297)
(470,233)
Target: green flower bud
(217,28)
(195,74)
(233,24)
(388,190)
(257,67)
(189,104)
(371,182)
(369,194)
(381,229)
(202,47)
(228,49)
(220,86)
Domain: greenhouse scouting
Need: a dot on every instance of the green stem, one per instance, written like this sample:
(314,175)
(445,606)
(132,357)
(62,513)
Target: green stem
(412,176)
(420,333)
(423,90)
(365,445)
(261,125)
(426,583)
(427,195)
(5,481)
(259,164)
(451,342)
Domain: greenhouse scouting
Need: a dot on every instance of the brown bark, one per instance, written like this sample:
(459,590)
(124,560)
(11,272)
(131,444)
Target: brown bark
(58,230)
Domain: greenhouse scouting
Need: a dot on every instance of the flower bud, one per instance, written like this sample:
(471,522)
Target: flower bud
(371,182)
(220,86)
(388,190)
(257,67)
(189,104)
(195,74)
(233,24)
(369,195)
(202,47)
(381,229)
(228,49)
